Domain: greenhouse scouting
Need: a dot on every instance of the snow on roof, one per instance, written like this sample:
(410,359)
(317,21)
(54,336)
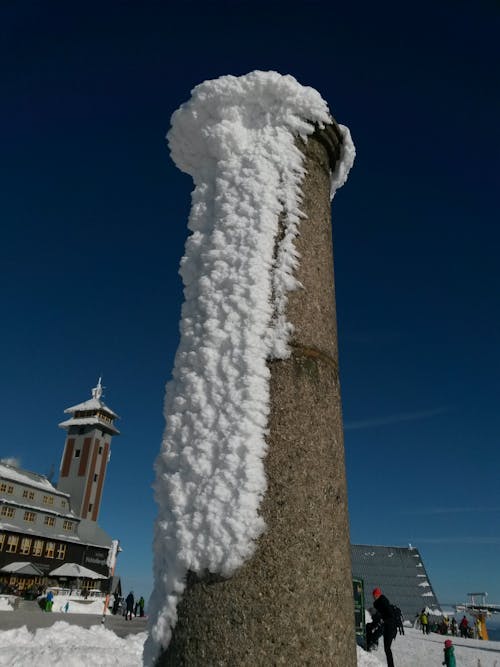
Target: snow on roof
(84,421)
(26,504)
(94,403)
(75,570)
(22,567)
(41,531)
(91,404)
(29,478)
(236,137)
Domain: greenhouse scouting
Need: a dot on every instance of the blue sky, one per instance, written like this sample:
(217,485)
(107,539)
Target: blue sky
(94,218)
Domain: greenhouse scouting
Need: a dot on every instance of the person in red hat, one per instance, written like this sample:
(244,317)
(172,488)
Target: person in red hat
(449,654)
(385,609)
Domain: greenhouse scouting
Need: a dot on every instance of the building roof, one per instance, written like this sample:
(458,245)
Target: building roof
(75,570)
(22,567)
(26,504)
(399,572)
(94,403)
(86,532)
(33,479)
(92,412)
(91,533)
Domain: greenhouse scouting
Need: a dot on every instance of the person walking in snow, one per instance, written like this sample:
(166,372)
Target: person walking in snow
(449,654)
(49,601)
(424,622)
(386,610)
(141,607)
(464,627)
(129,601)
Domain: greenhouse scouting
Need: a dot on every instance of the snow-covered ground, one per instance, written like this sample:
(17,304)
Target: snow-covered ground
(7,602)
(73,646)
(71,604)
(69,645)
(416,650)
(79,605)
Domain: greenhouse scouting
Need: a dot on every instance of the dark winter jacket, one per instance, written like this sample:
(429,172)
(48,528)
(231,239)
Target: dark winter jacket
(130,601)
(385,609)
(449,657)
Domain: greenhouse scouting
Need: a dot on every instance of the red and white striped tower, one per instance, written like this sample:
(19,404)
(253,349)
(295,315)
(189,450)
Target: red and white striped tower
(86,453)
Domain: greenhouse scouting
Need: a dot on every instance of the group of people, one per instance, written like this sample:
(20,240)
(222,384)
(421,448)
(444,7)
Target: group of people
(387,619)
(449,627)
(128,606)
(133,607)
(469,630)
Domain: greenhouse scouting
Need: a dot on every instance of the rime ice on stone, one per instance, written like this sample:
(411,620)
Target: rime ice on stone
(236,138)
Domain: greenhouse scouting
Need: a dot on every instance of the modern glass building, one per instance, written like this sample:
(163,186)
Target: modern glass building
(400,573)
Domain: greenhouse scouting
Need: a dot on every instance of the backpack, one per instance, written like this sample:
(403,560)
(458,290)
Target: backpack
(396,611)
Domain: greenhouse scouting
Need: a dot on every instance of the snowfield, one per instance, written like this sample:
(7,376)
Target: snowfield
(73,646)
(69,645)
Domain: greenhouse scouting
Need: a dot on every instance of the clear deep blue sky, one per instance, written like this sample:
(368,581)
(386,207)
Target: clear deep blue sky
(93,222)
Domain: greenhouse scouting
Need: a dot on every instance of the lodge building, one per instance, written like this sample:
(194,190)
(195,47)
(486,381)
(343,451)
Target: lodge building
(43,527)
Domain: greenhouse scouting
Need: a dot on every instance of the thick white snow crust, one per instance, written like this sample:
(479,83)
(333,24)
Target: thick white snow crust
(68,645)
(236,138)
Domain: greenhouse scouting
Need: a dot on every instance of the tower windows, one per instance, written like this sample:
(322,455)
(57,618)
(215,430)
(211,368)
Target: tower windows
(29,516)
(77,453)
(49,549)
(6,488)
(68,525)
(2,540)
(95,477)
(29,494)
(61,551)
(90,507)
(48,500)
(49,521)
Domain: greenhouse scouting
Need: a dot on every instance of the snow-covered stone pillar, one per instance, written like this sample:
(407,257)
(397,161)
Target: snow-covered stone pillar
(252,549)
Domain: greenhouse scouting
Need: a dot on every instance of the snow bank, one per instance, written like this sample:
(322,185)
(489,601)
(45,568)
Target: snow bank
(236,138)
(79,606)
(7,602)
(73,646)
(69,645)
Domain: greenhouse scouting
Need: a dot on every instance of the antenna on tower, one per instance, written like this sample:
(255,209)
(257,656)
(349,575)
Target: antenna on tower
(97,391)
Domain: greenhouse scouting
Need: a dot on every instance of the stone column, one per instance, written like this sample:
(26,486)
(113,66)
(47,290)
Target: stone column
(292,603)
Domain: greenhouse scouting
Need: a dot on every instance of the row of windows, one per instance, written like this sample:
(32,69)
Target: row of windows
(103,416)
(34,547)
(30,517)
(79,451)
(27,493)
